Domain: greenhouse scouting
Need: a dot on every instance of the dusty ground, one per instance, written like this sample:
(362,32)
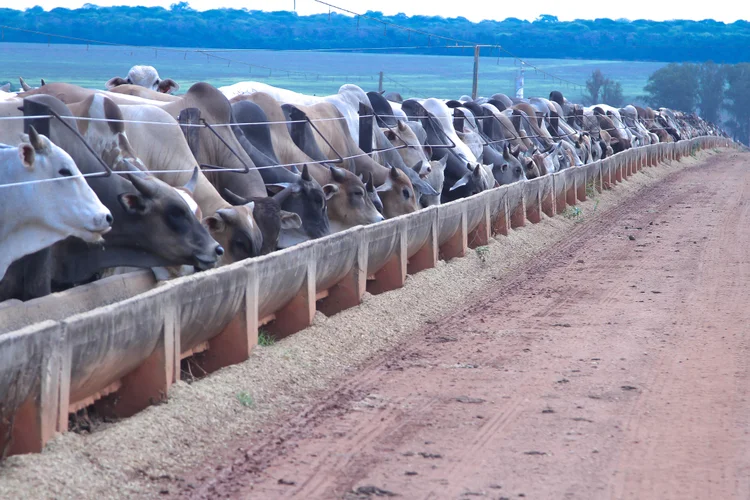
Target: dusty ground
(582,364)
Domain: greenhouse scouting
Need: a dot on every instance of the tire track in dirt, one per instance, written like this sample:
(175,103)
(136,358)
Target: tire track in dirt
(594,372)
(720,259)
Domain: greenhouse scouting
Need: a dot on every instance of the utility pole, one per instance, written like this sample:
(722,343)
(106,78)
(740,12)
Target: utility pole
(519,81)
(475,83)
(380,82)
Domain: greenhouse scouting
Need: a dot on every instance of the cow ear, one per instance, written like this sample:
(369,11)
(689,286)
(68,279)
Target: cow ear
(290,220)
(390,135)
(276,188)
(134,204)
(167,86)
(26,154)
(329,190)
(461,182)
(501,168)
(115,82)
(428,152)
(215,224)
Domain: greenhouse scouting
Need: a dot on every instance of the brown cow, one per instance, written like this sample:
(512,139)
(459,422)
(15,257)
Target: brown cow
(342,188)
(235,228)
(395,186)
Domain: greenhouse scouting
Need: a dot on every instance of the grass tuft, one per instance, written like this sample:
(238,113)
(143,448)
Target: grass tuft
(572,212)
(265,339)
(483,253)
(246,400)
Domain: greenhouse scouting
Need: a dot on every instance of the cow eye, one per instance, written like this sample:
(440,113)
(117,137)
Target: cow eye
(65,172)
(406,193)
(241,247)
(176,219)
(359,192)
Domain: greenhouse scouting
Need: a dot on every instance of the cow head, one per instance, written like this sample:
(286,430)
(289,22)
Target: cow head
(582,146)
(397,194)
(270,219)
(543,162)
(145,76)
(413,153)
(348,202)
(72,207)
(511,170)
(305,198)
(435,178)
(169,215)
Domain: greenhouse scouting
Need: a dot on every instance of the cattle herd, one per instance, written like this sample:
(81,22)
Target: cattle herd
(104,181)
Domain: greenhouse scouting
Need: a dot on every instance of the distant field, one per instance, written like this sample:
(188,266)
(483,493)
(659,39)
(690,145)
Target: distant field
(420,75)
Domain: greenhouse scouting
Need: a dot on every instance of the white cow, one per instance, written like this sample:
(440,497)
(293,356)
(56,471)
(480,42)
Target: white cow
(346,101)
(144,76)
(37,215)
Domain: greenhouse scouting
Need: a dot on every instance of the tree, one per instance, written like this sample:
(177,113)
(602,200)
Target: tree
(738,100)
(711,82)
(180,6)
(674,86)
(602,90)
(594,84)
(612,94)
(547,18)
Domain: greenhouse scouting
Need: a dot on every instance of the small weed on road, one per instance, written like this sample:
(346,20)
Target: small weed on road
(572,212)
(591,191)
(265,339)
(246,400)
(483,253)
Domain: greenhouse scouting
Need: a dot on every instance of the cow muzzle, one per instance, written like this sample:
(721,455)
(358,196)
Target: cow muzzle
(201,262)
(100,225)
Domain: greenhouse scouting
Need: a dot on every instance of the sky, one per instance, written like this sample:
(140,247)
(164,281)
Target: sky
(475,10)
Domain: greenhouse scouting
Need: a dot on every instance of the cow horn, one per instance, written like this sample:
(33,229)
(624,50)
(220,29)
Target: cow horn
(369,184)
(143,185)
(394,173)
(35,140)
(282,195)
(234,198)
(193,182)
(338,174)
(24,85)
(43,82)
(306,173)
(478,170)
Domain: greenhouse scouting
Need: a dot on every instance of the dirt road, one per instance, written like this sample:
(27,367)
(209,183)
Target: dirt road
(614,366)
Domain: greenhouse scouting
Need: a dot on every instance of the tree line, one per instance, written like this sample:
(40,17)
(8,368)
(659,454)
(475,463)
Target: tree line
(719,93)
(546,37)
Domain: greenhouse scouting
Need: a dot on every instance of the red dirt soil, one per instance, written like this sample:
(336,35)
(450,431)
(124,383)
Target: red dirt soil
(613,366)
